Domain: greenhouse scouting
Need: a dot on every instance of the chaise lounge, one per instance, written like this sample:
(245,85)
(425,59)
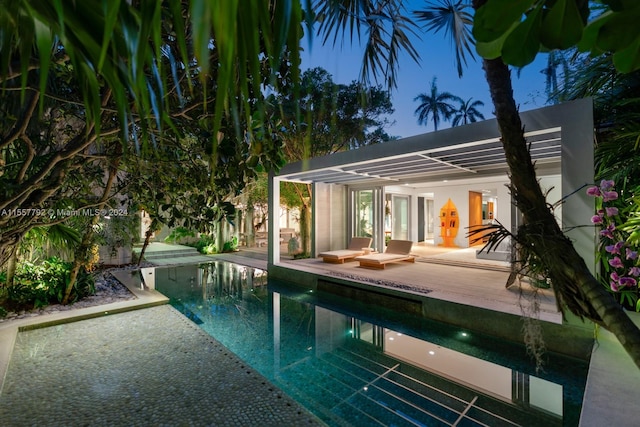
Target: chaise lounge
(357,246)
(397,251)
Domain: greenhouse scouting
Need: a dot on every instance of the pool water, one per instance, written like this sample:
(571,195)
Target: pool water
(356,365)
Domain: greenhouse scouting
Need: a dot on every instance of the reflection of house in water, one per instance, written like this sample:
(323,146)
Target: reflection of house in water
(358,364)
(424,382)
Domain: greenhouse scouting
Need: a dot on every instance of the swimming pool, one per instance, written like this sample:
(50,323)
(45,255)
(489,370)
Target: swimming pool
(354,364)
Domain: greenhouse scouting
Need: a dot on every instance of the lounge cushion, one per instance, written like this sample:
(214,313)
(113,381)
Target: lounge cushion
(356,247)
(397,251)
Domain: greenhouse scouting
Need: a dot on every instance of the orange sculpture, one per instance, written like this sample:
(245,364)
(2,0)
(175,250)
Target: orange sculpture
(449,224)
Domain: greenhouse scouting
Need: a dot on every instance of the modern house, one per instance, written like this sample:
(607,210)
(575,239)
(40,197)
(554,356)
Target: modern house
(405,189)
(409,188)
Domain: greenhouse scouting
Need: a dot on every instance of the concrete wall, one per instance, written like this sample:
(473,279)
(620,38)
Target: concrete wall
(575,340)
(330,217)
(552,187)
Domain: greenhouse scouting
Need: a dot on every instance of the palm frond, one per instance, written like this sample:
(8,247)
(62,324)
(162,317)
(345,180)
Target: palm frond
(381,25)
(451,17)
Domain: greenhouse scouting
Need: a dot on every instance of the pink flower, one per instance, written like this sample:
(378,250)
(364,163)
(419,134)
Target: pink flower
(612,249)
(611,211)
(608,196)
(608,232)
(616,262)
(596,219)
(594,191)
(614,282)
(634,271)
(631,254)
(628,282)
(606,185)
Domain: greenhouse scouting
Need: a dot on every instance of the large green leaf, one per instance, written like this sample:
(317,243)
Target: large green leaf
(523,43)
(590,33)
(562,26)
(619,31)
(628,60)
(493,49)
(620,5)
(496,17)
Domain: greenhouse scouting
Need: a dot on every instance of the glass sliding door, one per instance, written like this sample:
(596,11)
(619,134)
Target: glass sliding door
(365,214)
(400,217)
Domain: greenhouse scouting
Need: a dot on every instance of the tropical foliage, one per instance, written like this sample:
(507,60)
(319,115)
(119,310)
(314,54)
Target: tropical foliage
(467,112)
(454,18)
(517,31)
(618,253)
(38,285)
(435,106)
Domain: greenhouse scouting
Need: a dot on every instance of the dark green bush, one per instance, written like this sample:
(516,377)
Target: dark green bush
(231,245)
(206,245)
(42,284)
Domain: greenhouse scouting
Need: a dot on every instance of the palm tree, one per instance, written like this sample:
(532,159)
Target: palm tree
(452,17)
(435,105)
(555,60)
(467,112)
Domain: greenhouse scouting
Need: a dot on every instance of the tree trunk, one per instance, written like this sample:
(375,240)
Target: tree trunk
(145,245)
(250,237)
(305,228)
(219,236)
(575,287)
(11,267)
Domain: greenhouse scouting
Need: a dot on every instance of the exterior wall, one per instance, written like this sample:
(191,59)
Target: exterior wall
(578,171)
(552,187)
(330,217)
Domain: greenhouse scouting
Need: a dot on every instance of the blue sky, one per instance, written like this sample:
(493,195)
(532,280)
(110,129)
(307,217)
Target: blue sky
(437,59)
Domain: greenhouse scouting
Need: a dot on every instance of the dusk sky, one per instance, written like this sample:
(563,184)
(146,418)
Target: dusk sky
(437,59)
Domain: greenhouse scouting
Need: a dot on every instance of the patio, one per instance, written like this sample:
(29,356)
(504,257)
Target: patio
(447,285)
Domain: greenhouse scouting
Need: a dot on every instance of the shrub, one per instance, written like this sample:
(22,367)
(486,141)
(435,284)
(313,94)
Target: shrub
(231,245)
(206,245)
(45,283)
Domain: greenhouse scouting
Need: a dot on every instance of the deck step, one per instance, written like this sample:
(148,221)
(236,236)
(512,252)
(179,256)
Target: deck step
(469,264)
(163,251)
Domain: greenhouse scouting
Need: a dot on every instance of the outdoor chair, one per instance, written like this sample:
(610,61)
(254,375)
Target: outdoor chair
(397,251)
(357,246)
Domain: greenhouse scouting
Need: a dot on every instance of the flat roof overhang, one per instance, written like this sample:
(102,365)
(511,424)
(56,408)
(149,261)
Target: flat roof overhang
(459,153)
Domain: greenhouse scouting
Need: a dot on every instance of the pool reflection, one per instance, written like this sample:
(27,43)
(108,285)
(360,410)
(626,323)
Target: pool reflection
(360,366)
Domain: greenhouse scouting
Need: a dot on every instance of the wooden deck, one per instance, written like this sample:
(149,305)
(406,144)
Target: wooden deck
(447,274)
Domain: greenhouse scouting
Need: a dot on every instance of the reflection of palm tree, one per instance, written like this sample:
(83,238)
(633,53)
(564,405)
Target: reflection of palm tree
(555,60)
(467,112)
(435,105)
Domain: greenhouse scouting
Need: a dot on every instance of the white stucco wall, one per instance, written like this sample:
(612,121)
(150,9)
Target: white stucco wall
(330,217)
(552,187)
